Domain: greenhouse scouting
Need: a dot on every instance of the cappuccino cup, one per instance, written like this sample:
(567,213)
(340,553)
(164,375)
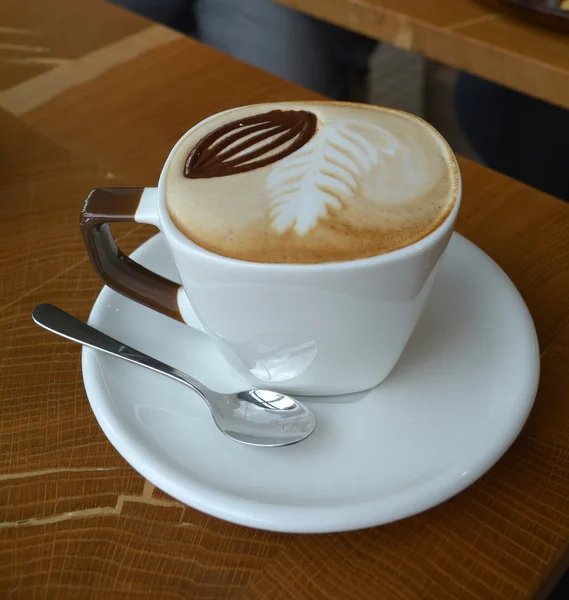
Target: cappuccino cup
(306,235)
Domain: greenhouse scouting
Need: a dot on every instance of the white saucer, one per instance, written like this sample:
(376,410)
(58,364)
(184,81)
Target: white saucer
(455,402)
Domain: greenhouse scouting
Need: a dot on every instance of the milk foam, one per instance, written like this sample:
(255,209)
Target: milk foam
(369,180)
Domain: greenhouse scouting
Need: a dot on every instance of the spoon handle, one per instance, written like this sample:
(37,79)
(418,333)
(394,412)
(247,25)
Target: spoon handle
(58,321)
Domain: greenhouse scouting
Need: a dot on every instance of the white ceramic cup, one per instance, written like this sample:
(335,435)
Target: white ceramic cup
(309,329)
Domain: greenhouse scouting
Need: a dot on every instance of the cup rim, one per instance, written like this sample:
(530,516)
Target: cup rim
(169,228)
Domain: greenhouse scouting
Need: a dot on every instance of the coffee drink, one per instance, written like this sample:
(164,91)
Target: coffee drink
(310,182)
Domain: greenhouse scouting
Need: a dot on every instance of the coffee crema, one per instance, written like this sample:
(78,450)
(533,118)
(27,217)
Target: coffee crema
(310,182)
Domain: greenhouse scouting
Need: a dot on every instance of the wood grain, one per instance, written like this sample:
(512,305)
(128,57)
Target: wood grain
(462,34)
(42,35)
(75,520)
(542,12)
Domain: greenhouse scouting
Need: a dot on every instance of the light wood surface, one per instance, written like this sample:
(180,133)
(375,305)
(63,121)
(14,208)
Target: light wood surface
(75,520)
(462,34)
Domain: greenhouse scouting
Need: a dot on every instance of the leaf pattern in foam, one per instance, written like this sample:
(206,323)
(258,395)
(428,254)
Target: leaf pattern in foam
(325,173)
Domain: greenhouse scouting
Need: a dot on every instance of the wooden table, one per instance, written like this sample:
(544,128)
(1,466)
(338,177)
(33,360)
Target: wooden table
(463,34)
(101,103)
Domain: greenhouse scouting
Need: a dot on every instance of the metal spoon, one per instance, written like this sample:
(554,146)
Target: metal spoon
(254,417)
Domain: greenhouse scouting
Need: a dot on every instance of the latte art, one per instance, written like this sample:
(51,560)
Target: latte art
(310,182)
(250,143)
(325,174)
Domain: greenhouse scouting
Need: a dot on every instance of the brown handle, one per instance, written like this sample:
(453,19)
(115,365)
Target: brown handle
(118,271)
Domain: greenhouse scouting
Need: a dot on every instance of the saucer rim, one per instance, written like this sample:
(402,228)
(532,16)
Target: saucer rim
(289,518)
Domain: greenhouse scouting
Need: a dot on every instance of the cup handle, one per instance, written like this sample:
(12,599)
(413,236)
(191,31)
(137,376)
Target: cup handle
(137,205)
